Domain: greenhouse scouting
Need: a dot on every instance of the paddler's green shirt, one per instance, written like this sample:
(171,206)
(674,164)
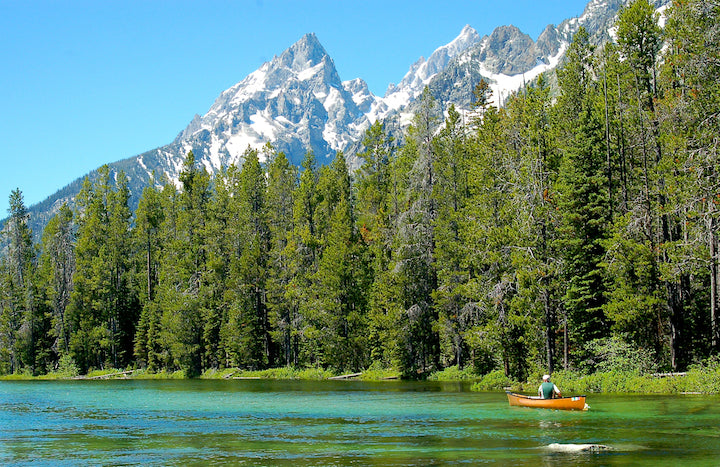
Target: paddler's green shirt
(547,389)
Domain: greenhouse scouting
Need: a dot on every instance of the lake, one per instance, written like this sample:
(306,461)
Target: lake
(260,422)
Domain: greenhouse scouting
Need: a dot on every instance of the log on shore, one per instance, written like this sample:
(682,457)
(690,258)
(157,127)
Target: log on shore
(229,375)
(107,376)
(348,376)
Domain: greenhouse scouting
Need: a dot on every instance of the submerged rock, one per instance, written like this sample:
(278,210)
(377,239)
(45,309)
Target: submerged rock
(558,447)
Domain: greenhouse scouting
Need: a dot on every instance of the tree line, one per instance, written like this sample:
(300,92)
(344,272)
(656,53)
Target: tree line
(521,238)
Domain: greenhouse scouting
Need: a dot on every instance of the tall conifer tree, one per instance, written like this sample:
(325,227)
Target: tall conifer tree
(283,312)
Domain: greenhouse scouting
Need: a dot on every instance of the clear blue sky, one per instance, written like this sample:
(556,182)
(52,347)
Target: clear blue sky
(83,83)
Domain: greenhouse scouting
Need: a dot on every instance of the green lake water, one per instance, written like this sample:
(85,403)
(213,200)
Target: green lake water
(249,422)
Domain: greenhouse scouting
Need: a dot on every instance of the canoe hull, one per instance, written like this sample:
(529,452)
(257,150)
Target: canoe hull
(562,403)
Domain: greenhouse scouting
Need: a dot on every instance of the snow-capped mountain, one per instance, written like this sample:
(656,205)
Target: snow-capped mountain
(421,73)
(298,102)
(508,59)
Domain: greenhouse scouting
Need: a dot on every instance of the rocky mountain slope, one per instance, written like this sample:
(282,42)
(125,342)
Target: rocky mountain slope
(298,102)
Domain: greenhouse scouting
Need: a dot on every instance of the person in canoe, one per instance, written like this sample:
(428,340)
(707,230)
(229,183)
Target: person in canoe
(548,390)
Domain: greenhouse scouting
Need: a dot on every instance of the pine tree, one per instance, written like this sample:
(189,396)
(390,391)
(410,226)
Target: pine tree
(340,301)
(19,322)
(415,246)
(149,219)
(56,269)
(7,335)
(640,39)
(124,307)
(183,273)
(103,309)
(377,211)
(248,324)
(689,112)
(487,233)
(304,254)
(282,312)
(582,195)
(534,173)
(451,195)
(503,231)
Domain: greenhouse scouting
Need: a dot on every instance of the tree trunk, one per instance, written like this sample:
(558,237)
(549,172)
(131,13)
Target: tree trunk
(621,148)
(714,276)
(549,332)
(565,343)
(149,271)
(607,143)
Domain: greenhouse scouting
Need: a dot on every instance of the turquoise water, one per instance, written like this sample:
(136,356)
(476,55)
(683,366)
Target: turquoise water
(208,422)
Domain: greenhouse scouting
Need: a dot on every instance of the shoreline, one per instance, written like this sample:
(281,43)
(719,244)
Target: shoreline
(696,381)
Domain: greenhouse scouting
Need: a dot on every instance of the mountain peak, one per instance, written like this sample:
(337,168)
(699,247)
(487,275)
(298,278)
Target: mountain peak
(468,35)
(505,33)
(422,71)
(295,101)
(305,53)
(309,41)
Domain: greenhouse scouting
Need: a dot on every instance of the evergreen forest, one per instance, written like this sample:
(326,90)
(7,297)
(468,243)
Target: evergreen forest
(581,216)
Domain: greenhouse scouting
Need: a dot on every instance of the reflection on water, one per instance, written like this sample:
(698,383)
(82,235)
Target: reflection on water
(339,423)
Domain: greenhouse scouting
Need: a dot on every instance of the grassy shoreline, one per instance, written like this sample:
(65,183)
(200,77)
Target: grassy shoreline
(694,381)
(701,379)
(283,373)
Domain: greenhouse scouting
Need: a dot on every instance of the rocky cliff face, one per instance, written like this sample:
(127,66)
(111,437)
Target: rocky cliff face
(508,59)
(423,71)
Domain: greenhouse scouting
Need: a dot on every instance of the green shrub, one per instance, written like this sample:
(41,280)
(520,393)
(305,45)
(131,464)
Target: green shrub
(315,374)
(286,373)
(376,372)
(615,382)
(614,354)
(17,376)
(453,373)
(66,368)
(494,380)
(703,377)
(143,374)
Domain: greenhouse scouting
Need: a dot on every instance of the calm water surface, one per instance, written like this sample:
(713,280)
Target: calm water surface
(209,422)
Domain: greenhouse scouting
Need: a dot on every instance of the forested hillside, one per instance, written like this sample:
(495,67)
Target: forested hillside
(527,238)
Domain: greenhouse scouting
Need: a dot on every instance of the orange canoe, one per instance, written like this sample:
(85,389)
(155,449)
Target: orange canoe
(562,403)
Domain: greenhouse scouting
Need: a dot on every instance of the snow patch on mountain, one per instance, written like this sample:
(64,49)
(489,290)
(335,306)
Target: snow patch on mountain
(422,72)
(503,85)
